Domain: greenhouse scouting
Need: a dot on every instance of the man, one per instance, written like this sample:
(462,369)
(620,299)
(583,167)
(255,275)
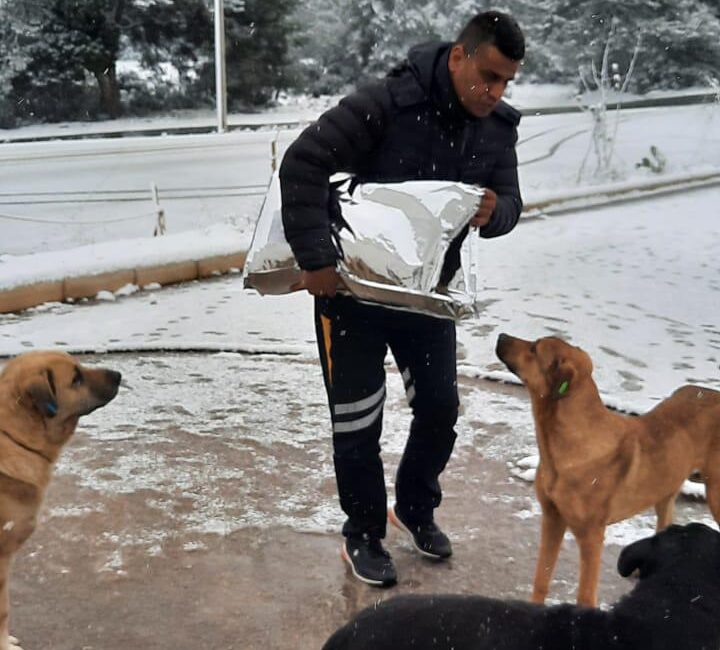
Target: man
(438,116)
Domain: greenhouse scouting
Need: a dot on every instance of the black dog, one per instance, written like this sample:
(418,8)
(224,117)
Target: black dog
(674,606)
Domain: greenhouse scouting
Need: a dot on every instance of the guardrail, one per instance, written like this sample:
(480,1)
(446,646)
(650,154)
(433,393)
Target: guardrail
(209,127)
(153,194)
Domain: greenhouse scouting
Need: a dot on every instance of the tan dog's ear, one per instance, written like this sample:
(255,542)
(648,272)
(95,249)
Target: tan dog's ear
(41,391)
(561,375)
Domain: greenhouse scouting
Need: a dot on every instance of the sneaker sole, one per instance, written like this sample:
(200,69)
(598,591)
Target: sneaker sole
(367,581)
(393,519)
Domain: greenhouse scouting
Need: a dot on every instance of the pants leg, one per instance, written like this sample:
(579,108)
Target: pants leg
(425,351)
(352,352)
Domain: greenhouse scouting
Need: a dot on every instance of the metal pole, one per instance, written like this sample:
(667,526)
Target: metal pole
(161,225)
(273,152)
(220,78)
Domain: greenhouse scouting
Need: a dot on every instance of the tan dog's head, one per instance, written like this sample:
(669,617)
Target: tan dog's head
(549,367)
(54,389)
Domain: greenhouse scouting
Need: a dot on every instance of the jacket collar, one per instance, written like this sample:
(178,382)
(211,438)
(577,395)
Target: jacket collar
(429,63)
(443,92)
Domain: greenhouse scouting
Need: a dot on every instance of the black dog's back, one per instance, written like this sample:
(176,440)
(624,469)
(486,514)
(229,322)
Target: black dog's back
(675,606)
(459,622)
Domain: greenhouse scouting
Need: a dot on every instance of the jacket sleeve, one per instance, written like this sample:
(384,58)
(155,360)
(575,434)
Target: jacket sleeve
(504,183)
(337,142)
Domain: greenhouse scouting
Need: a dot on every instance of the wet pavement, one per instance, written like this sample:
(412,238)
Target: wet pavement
(198,510)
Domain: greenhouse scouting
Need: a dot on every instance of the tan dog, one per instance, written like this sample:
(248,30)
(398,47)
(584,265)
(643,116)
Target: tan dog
(598,467)
(42,396)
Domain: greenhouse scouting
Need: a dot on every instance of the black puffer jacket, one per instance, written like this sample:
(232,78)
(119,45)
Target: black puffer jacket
(408,126)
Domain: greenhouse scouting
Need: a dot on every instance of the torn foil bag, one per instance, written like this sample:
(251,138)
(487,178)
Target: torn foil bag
(392,242)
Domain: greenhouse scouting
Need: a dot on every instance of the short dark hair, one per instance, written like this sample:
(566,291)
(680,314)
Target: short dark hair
(493,28)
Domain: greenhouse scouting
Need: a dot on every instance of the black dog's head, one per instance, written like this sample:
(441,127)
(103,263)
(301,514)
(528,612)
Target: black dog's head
(692,550)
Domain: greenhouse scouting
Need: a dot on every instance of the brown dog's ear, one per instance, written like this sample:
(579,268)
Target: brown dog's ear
(561,376)
(41,391)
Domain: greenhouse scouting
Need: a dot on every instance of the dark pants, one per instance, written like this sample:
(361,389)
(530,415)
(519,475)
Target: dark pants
(353,339)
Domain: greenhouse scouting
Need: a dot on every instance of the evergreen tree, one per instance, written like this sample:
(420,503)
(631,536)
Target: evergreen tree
(679,41)
(179,32)
(12,62)
(318,58)
(65,44)
(381,32)
(74,38)
(258,37)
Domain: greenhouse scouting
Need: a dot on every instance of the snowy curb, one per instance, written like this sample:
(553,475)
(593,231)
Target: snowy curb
(74,288)
(601,195)
(30,280)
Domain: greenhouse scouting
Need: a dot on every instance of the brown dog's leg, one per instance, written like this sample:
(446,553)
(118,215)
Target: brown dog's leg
(551,536)
(6,643)
(664,510)
(590,542)
(712,492)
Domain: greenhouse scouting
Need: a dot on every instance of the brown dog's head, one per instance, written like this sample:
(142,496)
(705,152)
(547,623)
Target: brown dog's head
(549,366)
(55,388)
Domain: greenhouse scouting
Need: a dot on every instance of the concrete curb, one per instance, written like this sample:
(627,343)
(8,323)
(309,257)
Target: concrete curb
(597,198)
(74,288)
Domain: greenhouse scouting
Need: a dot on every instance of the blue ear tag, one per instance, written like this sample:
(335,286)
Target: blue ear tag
(563,388)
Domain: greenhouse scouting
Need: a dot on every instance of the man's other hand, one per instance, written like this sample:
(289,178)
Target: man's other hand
(322,282)
(487,207)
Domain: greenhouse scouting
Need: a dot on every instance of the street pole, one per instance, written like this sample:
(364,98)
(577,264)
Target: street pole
(220,78)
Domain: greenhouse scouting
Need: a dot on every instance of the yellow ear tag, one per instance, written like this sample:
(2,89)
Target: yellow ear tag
(563,388)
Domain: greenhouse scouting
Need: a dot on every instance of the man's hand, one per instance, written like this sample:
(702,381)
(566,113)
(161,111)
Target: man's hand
(322,282)
(487,207)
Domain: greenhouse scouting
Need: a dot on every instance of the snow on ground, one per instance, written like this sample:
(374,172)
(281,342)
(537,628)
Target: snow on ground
(636,285)
(223,399)
(217,239)
(289,110)
(62,195)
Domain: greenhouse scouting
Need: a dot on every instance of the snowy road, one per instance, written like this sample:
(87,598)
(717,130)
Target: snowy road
(63,194)
(59,195)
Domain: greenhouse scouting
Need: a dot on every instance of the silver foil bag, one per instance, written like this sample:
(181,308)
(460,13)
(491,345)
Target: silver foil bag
(392,246)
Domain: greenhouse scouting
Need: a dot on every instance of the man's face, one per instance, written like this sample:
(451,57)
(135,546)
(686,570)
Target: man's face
(480,79)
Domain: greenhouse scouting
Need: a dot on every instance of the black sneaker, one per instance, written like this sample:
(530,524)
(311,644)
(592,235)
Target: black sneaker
(369,561)
(427,538)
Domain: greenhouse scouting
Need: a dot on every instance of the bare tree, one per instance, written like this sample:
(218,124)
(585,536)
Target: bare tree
(604,129)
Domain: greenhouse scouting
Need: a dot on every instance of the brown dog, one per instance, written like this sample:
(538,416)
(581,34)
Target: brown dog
(42,396)
(598,467)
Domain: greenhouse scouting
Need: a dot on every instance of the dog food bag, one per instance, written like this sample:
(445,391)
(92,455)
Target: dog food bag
(391,241)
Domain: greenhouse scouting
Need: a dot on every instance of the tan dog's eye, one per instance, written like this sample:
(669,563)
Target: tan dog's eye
(78,378)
